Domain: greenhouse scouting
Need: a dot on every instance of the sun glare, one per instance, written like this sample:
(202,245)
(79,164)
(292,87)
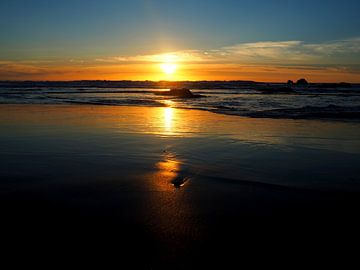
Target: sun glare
(168,68)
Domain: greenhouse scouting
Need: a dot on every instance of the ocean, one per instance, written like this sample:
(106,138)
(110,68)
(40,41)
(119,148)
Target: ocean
(316,101)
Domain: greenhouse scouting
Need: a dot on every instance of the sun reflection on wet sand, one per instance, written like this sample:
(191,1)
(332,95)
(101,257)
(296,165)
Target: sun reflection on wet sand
(168,119)
(173,122)
(170,173)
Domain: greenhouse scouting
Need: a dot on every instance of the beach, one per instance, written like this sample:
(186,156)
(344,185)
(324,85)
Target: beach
(174,186)
(179,135)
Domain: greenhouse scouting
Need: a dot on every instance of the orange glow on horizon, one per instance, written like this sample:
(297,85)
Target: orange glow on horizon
(169,69)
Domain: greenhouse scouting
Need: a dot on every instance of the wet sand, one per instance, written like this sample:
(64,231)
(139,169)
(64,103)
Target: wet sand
(163,187)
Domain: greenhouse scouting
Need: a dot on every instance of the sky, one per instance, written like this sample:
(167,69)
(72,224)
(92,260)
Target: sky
(262,40)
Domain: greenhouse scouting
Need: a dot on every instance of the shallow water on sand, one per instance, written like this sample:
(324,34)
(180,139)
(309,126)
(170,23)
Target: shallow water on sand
(169,179)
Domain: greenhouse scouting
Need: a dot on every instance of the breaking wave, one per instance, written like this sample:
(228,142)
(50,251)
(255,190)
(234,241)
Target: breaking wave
(246,100)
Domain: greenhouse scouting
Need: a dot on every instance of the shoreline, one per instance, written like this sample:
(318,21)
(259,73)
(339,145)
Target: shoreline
(333,116)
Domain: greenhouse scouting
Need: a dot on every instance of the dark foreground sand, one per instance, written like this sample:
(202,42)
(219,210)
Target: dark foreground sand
(96,183)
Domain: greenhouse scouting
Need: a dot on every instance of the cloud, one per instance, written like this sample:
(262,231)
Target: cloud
(347,46)
(178,56)
(274,52)
(268,49)
(292,52)
(335,60)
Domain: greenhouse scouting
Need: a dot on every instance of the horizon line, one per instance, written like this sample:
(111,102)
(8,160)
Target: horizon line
(169,81)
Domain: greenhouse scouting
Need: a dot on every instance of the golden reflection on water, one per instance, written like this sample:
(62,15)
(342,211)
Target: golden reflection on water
(173,122)
(168,119)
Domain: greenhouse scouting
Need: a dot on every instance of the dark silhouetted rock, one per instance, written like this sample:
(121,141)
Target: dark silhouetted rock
(302,82)
(290,83)
(178,92)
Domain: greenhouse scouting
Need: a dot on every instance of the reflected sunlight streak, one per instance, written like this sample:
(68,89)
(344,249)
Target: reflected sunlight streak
(168,119)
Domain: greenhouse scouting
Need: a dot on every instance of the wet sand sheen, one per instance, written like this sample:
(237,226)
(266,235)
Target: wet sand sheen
(169,121)
(172,185)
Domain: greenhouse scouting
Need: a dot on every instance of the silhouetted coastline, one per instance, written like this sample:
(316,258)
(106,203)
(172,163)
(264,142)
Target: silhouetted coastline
(155,84)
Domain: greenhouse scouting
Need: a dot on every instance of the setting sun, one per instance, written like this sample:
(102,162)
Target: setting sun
(168,68)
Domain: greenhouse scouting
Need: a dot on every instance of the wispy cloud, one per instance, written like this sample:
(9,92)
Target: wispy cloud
(296,52)
(280,52)
(178,56)
(269,60)
(335,47)
(259,51)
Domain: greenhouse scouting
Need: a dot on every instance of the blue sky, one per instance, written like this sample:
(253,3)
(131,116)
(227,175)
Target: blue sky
(89,29)
(110,26)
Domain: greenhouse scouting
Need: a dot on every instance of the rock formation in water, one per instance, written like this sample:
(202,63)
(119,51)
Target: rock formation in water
(302,82)
(178,92)
(290,83)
